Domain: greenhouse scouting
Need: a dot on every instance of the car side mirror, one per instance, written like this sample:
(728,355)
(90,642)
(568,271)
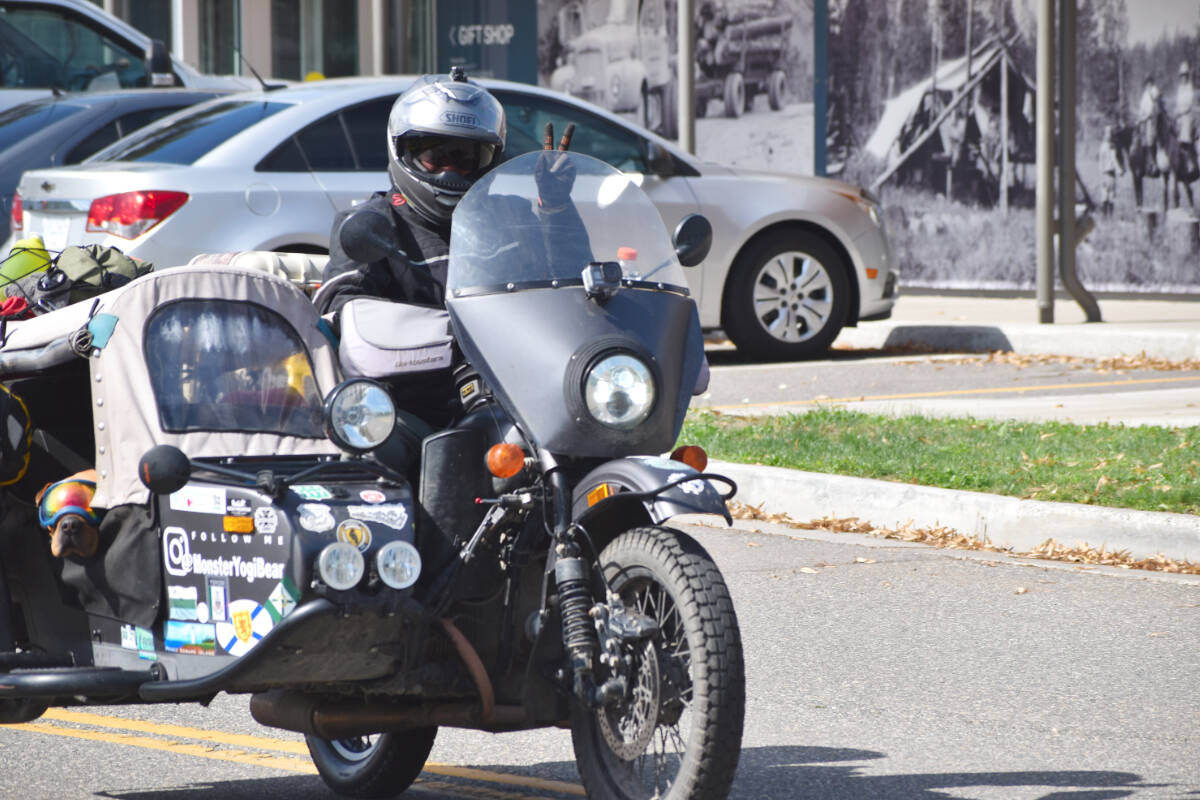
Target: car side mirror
(658,160)
(367,235)
(158,64)
(692,239)
(164,469)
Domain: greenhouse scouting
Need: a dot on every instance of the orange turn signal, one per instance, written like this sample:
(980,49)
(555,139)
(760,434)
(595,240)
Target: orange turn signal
(505,460)
(692,455)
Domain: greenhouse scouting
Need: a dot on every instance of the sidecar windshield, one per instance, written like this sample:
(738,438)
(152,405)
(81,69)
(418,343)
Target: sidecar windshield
(528,225)
(230,366)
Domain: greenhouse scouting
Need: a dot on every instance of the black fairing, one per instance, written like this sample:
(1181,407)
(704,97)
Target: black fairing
(537,370)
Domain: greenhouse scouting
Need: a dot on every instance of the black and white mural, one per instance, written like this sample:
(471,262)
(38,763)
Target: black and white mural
(931,103)
(753,70)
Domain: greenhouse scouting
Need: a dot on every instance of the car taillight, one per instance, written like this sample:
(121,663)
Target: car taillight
(131,214)
(17,221)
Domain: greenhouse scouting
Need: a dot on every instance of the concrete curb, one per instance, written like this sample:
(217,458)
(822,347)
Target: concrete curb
(1005,521)
(1076,339)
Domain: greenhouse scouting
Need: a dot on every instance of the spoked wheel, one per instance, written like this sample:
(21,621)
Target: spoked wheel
(677,733)
(379,765)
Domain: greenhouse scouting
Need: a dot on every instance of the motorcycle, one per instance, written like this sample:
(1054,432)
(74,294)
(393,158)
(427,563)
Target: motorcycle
(252,537)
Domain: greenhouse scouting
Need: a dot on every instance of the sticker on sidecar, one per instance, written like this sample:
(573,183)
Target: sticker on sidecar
(691,487)
(135,638)
(182,602)
(190,637)
(311,491)
(180,561)
(282,600)
(199,500)
(265,520)
(248,623)
(238,507)
(393,515)
(315,517)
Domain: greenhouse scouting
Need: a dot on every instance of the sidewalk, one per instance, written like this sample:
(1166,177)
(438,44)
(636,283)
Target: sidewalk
(1162,329)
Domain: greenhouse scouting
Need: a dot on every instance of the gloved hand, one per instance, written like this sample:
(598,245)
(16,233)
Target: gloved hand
(554,173)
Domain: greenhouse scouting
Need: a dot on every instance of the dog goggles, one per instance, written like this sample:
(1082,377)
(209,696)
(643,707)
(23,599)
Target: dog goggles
(67,497)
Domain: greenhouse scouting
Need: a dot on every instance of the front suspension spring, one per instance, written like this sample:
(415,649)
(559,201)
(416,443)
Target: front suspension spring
(575,603)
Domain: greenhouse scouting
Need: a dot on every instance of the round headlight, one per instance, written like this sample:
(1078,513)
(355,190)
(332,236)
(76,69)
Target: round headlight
(359,415)
(340,565)
(619,391)
(399,564)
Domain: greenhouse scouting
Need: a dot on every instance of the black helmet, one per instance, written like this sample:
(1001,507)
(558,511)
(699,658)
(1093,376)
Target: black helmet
(443,134)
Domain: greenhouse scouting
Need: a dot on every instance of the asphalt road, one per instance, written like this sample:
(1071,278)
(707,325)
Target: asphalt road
(875,670)
(1017,387)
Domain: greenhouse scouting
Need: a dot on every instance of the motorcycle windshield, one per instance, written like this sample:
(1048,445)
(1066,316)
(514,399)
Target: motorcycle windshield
(506,236)
(521,241)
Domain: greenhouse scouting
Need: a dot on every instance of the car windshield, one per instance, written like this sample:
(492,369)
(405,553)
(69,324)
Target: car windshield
(19,123)
(219,365)
(188,138)
(505,236)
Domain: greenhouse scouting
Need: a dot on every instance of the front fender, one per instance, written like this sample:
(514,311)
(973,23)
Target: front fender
(625,493)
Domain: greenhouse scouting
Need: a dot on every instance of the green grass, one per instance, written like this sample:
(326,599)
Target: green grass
(1146,468)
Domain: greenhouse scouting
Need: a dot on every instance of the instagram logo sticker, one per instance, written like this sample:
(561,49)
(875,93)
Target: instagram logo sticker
(176,552)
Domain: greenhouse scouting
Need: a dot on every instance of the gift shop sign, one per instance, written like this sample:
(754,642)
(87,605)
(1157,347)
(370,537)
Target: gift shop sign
(488,38)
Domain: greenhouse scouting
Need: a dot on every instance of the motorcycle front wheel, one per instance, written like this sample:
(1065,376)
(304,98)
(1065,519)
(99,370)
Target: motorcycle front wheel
(677,734)
(380,765)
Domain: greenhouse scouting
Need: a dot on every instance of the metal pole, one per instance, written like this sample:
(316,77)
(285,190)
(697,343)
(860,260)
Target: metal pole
(1069,234)
(1004,130)
(685,34)
(1045,161)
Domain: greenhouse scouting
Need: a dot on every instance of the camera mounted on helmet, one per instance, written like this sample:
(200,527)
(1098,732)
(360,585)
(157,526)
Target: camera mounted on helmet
(444,133)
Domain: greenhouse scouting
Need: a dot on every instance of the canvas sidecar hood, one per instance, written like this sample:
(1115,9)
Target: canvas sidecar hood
(125,415)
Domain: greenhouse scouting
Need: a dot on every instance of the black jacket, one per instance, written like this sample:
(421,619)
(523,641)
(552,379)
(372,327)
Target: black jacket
(416,275)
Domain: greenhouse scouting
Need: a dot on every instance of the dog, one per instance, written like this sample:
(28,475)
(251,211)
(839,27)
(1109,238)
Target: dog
(65,510)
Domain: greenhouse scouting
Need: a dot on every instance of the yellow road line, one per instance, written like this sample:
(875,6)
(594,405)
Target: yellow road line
(256,742)
(953,393)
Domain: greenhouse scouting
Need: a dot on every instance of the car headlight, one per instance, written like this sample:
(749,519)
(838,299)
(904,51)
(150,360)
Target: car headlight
(619,391)
(359,415)
(399,564)
(340,565)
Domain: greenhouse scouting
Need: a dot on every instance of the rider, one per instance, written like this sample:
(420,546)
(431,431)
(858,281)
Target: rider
(1185,107)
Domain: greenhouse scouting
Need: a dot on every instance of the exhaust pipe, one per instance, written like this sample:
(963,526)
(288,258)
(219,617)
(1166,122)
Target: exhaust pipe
(303,713)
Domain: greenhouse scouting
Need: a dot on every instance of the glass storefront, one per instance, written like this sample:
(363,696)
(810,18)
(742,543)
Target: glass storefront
(313,36)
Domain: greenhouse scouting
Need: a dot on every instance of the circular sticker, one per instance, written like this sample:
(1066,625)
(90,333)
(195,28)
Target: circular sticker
(202,611)
(354,532)
(248,622)
(372,496)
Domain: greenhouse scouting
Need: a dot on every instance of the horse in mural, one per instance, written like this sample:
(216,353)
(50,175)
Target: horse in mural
(1154,151)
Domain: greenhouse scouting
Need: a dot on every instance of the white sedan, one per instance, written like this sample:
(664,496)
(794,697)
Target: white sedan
(794,259)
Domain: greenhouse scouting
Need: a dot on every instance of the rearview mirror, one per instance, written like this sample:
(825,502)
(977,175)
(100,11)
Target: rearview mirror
(658,160)
(164,469)
(367,235)
(158,64)
(692,239)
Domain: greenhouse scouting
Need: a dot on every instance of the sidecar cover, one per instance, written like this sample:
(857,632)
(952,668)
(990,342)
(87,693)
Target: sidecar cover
(177,345)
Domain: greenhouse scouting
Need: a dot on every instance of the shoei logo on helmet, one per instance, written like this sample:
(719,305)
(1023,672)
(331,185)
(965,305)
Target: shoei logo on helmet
(460,120)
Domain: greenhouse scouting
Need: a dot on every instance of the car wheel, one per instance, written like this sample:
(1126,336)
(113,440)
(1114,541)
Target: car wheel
(776,90)
(787,297)
(735,94)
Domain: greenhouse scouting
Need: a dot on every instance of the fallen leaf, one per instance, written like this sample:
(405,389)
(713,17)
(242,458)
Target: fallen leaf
(1021,590)
(861,560)
(753,544)
(1156,634)
(808,570)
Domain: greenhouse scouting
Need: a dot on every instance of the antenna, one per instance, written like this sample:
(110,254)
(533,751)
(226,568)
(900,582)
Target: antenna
(266,87)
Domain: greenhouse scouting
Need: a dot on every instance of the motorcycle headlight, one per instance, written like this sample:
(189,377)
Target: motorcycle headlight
(340,565)
(619,391)
(359,415)
(399,564)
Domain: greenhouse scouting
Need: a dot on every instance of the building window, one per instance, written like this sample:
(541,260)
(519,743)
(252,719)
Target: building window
(220,36)
(313,36)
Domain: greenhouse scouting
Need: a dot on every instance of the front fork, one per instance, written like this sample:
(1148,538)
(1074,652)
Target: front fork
(592,632)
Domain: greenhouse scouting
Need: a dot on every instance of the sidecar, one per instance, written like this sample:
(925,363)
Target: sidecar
(267,557)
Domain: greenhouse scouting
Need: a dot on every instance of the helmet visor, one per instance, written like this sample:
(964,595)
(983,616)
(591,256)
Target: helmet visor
(439,153)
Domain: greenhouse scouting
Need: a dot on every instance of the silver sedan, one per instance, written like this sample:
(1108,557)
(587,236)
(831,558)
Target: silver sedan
(794,258)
